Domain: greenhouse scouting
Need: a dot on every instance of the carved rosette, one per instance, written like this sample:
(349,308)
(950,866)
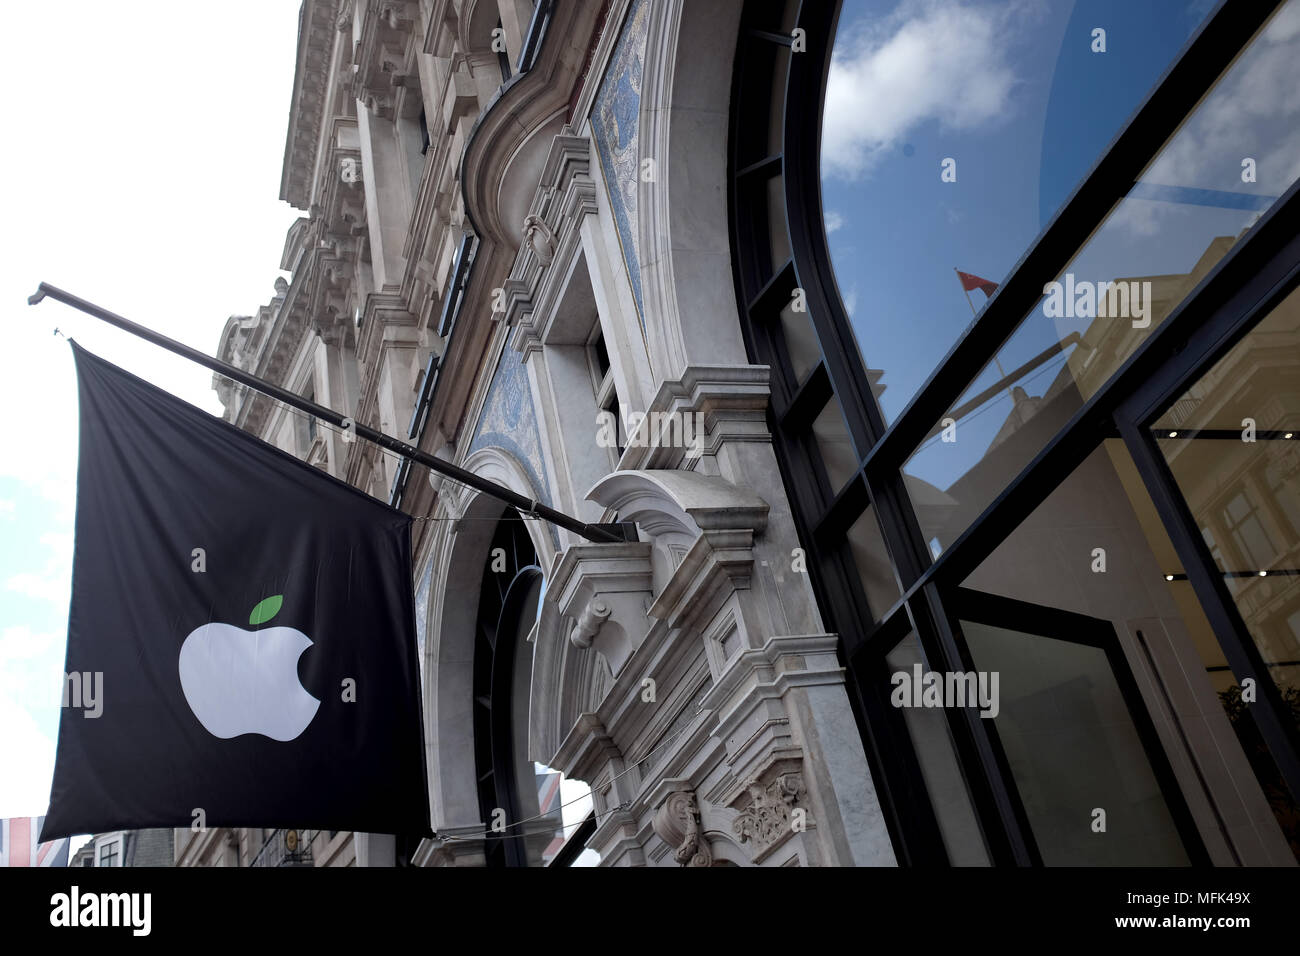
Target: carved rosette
(766,820)
(677,823)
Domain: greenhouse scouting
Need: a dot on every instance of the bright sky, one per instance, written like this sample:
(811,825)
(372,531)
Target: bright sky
(145,147)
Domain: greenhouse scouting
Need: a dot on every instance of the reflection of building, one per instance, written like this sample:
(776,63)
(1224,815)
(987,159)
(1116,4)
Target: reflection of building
(1241,494)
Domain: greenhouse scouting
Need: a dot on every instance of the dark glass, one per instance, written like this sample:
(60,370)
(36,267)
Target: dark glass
(928,731)
(875,570)
(1074,752)
(1094,562)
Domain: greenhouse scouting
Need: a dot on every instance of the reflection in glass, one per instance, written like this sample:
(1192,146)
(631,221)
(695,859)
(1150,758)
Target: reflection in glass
(1012,102)
(1096,547)
(875,570)
(1226,442)
(832,436)
(800,342)
(928,729)
(1073,748)
(1190,206)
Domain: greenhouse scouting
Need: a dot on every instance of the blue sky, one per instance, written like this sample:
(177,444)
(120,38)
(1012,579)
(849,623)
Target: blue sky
(1015,94)
(144,176)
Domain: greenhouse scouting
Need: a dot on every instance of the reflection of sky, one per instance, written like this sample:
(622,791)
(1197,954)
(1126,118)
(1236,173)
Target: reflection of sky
(1191,194)
(1013,93)
(1025,111)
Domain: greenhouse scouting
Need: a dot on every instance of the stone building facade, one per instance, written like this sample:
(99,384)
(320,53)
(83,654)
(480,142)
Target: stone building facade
(514,250)
(579,249)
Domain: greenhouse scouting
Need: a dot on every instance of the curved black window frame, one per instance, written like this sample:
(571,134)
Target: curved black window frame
(503,597)
(1258,270)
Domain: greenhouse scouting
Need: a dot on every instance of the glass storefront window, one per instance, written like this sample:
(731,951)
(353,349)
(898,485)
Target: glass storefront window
(927,729)
(1232,158)
(1232,443)
(1093,567)
(951,134)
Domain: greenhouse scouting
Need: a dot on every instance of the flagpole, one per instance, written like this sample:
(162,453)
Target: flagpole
(604,534)
(996,361)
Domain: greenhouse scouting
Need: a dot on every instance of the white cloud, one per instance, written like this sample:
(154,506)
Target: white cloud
(931,60)
(833,221)
(53,581)
(29,762)
(851,300)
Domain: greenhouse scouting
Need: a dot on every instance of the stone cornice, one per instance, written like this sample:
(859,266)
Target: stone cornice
(732,400)
(316,36)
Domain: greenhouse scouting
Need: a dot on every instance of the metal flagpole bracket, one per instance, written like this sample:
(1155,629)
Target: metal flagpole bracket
(599,533)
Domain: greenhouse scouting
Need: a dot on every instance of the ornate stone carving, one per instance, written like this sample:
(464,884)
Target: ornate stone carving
(350,170)
(539,235)
(766,820)
(343,22)
(590,622)
(677,822)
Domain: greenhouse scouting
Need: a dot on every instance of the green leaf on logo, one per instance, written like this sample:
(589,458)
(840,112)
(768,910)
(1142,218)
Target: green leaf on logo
(266,610)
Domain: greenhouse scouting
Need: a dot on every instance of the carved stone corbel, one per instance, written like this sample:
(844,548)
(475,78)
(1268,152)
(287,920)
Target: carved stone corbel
(590,622)
(677,822)
(540,237)
(605,588)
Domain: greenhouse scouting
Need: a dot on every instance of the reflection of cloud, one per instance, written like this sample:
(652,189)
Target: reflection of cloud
(833,221)
(1253,113)
(930,60)
(1140,217)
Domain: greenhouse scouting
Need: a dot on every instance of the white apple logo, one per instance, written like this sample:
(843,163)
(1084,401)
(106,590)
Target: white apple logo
(246,682)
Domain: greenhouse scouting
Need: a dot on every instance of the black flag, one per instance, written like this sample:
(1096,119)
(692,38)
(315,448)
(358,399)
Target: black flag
(241,640)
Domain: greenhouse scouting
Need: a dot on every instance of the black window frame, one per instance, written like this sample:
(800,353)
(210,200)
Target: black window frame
(1258,270)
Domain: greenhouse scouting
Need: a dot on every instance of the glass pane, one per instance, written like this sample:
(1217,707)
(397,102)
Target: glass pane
(1097,548)
(1232,441)
(1073,750)
(778,237)
(1190,207)
(875,570)
(928,729)
(836,448)
(800,342)
(951,135)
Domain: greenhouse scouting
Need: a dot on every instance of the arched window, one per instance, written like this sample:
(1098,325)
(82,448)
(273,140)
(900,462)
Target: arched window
(531,812)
